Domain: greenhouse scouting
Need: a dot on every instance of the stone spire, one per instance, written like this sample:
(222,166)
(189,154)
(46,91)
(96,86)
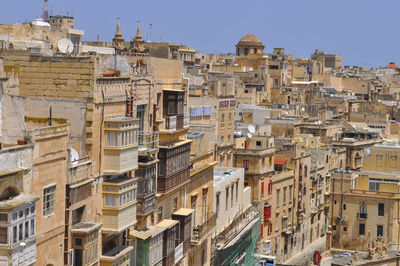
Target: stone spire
(138,33)
(118,41)
(118,34)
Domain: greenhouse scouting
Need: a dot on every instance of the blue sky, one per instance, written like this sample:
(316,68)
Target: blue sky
(365,32)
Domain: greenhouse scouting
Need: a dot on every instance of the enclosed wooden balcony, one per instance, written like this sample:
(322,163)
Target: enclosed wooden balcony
(174,166)
(121,145)
(119,204)
(17,230)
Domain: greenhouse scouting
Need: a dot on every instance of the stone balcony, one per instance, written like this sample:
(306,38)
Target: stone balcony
(79,171)
(119,255)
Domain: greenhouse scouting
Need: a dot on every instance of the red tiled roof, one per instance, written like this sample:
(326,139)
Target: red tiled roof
(392,65)
(280,161)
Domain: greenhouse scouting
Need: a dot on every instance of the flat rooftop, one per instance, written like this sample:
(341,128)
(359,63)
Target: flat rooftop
(222,173)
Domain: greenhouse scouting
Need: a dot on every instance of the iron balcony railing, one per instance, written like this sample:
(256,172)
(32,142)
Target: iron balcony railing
(200,231)
(148,141)
(362,215)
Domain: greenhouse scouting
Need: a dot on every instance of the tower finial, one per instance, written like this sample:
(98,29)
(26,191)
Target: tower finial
(46,11)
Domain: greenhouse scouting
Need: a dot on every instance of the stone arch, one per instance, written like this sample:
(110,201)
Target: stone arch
(9,192)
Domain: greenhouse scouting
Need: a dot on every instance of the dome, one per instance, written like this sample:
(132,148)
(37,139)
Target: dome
(40,22)
(392,65)
(250,39)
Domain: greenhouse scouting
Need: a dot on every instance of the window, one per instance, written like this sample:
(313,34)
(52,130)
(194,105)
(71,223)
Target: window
(290,192)
(237,191)
(32,227)
(277,197)
(159,214)
(78,242)
(226,197)
(379,230)
(361,229)
(175,203)
(345,228)
(246,164)
(26,229)
(48,200)
(232,195)
(3,235)
(284,195)
(381,209)
(15,234)
(112,139)
(258,143)
(218,203)
(111,200)
(270,186)
(344,206)
(171,108)
(363,208)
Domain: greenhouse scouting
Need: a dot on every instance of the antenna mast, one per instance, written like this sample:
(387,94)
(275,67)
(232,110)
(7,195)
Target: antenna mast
(46,11)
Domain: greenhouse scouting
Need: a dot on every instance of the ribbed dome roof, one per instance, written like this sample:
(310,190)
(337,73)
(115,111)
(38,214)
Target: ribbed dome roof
(392,65)
(250,39)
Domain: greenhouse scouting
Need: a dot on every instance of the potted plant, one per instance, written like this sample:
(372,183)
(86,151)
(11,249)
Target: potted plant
(27,139)
(20,142)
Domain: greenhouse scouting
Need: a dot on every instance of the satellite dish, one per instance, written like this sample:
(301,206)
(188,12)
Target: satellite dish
(251,129)
(74,156)
(303,109)
(65,46)
(249,135)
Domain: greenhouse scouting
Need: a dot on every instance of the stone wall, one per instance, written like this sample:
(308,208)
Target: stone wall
(57,77)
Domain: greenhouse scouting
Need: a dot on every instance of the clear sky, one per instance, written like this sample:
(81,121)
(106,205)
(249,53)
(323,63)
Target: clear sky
(365,32)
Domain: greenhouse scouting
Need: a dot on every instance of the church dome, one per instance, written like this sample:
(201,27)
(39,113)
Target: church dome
(392,65)
(250,40)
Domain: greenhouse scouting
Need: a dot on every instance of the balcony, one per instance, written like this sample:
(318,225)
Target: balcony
(121,146)
(119,255)
(178,253)
(177,122)
(362,215)
(17,238)
(80,171)
(238,225)
(267,247)
(146,206)
(148,142)
(119,204)
(201,231)
(165,185)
